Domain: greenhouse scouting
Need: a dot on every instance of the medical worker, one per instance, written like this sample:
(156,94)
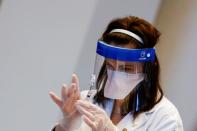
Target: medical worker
(125,93)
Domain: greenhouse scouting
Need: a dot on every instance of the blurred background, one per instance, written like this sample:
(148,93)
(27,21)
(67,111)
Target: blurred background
(42,42)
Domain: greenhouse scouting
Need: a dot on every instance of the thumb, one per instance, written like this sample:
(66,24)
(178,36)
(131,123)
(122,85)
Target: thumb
(56,99)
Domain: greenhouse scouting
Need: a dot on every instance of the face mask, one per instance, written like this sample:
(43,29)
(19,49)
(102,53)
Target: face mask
(120,84)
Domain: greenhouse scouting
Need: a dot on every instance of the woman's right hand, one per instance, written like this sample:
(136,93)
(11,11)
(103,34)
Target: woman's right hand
(69,96)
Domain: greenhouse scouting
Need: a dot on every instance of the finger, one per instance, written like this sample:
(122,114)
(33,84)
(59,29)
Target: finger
(82,111)
(77,96)
(56,99)
(75,91)
(72,98)
(73,95)
(75,80)
(68,105)
(87,105)
(71,89)
(64,92)
(89,122)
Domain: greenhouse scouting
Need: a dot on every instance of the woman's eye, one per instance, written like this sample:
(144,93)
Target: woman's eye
(121,68)
(109,66)
(129,70)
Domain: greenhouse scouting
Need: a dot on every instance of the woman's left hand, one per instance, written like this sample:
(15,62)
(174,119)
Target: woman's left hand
(95,117)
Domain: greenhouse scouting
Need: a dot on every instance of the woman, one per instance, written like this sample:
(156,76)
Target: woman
(128,95)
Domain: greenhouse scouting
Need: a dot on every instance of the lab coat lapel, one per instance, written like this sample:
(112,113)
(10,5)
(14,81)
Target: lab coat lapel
(128,123)
(140,121)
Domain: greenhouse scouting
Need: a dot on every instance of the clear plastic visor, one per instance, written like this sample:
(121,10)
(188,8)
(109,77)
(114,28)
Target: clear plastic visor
(122,66)
(120,60)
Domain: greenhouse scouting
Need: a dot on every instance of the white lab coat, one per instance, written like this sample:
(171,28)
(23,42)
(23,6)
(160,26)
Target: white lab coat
(162,117)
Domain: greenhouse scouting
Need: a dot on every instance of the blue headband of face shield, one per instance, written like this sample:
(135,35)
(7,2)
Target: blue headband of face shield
(124,54)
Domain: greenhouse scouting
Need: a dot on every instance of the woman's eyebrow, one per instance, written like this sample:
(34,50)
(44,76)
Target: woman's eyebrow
(130,65)
(108,62)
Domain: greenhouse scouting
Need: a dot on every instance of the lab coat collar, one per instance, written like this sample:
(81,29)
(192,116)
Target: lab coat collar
(138,122)
(110,103)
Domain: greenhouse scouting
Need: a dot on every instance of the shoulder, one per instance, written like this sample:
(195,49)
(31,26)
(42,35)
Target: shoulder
(165,105)
(165,115)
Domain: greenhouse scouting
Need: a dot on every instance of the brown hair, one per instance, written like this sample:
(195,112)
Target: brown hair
(149,90)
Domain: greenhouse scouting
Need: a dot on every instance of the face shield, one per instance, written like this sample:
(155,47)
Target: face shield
(118,70)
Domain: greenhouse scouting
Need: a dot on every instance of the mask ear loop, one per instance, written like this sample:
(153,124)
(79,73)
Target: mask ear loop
(137,94)
(137,102)
(137,108)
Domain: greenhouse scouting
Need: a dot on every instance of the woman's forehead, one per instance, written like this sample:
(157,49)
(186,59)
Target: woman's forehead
(111,61)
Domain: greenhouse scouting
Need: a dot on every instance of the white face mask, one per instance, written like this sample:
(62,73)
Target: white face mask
(120,84)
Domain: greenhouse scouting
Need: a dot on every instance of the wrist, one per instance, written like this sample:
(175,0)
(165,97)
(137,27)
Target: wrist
(70,122)
(110,126)
(58,128)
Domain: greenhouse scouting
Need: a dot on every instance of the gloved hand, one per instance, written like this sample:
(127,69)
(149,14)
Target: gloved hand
(95,117)
(69,95)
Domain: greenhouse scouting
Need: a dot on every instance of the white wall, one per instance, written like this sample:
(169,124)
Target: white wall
(42,43)
(177,52)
